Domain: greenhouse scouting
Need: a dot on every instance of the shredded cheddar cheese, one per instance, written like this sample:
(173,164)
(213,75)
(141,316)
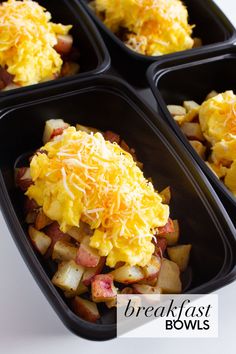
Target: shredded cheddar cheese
(27,38)
(84,177)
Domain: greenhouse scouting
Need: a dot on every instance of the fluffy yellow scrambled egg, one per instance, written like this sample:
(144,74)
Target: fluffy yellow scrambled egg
(156,26)
(84,177)
(217,118)
(27,38)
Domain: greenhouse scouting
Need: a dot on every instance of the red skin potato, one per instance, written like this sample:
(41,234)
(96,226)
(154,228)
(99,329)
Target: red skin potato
(90,273)
(81,309)
(30,205)
(57,132)
(54,232)
(160,246)
(64,44)
(112,137)
(23,183)
(102,288)
(86,257)
(169,227)
(5,78)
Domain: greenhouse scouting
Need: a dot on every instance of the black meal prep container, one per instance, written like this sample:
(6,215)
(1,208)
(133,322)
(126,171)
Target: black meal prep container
(94,56)
(174,81)
(212,26)
(109,103)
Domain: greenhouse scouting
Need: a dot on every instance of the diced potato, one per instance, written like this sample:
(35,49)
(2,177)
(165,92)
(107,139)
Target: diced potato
(179,119)
(23,178)
(39,239)
(152,269)
(85,309)
(86,129)
(127,290)
(41,220)
(180,255)
(212,94)
(69,68)
(166,195)
(87,256)
(146,289)
(82,289)
(64,251)
(64,43)
(173,237)
(78,233)
(128,274)
(102,288)
(189,105)
(176,110)
(192,131)
(111,303)
(197,42)
(150,282)
(31,217)
(160,245)
(90,273)
(68,276)
(52,128)
(169,278)
(169,227)
(199,148)
(112,137)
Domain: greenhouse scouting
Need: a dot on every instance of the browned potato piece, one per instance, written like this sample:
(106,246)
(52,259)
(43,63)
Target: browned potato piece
(85,309)
(166,195)
(64,251)
(52,128)
(192,131)
(39,239)
(41,220)
(198,147)
(169,278)
(82,289)
(176,110)
(211,94)
(78,233)
(197,42)
(128,274)
(146,289)
(68,276)
(190,105)
(180,255)
(172,237)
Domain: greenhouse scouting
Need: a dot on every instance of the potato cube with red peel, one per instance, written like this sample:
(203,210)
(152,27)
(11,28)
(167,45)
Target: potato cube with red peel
(64,251)
(180,255)
(160,246)
(39,239)
(78,233)
(112,137)
(68,276)
(64,43)
(172,237)
(176,110)
(169,278)
(102,288)
(169,227)
(42,220)
(166,195)
(23,178)
(128,274)
(85,309)
(86,255)
(90,273)
(199,148)
(53,127)
(146,289)
(31,217)
(192,131)
(152,269)
(54,232)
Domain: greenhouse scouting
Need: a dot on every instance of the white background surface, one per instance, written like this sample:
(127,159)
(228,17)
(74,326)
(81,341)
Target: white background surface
(28,325)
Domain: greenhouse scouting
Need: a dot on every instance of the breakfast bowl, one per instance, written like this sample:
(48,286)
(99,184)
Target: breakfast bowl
(193,81)
(210,26)
(51,44)
(110,104)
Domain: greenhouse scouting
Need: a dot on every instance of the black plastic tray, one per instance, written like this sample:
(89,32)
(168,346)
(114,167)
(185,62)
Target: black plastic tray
(212,26)
(109,103)
(94,56)
(172,82)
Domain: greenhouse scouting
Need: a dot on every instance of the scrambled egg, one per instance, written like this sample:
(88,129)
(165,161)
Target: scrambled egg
(84,177)
(27,38)
(155,27)
(217,118)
